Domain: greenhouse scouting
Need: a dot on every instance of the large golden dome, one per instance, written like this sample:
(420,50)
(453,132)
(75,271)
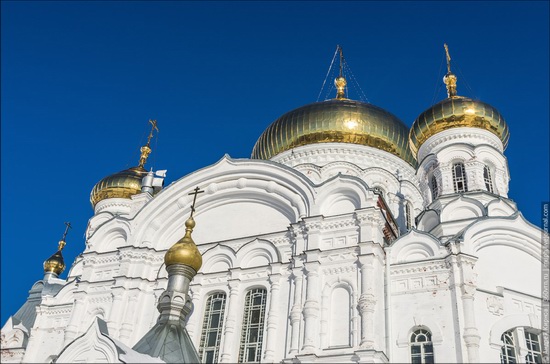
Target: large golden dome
(338,120)
(454,112)
(123,184)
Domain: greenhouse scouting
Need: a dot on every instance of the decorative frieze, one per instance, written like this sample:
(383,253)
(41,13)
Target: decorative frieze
(339,270)
(340,241)
(422,268)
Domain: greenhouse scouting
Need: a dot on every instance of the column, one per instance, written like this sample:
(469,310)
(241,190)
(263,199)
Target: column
(311,308)
(229,334)
(296,313)
(273,317)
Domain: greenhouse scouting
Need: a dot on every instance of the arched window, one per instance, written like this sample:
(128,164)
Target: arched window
(508,350)
(487,179)
(510,346)
(459,178)
(212,328)
(422,350)
(435,188)
(253,326)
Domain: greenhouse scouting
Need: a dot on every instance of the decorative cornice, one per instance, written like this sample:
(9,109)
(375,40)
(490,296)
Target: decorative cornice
(351,153)
(419,268)
(454,135)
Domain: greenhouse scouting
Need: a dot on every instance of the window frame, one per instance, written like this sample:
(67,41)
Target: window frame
(248,325)
(460,183)
(434,187)
(533,355)
(207,328)
(409,221)
(488,179)
(426,353)
(523,347)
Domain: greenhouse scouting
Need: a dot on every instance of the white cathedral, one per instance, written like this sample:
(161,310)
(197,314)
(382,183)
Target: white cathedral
(346,238)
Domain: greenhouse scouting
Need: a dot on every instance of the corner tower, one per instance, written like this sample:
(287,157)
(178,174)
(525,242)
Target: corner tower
(459,144)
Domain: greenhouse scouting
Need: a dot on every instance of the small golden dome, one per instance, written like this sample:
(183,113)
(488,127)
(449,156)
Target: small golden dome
(335,121)
(455,112)
(55,263)
(123,184)
(127,183)
(185,251)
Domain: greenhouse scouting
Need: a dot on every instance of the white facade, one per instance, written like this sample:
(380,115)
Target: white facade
(352,249)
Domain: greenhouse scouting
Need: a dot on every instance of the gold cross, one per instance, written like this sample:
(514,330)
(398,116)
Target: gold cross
(195,192)
(448,57)
(153,127)
(68,224)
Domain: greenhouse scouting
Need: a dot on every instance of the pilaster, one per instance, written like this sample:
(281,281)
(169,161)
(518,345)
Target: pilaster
(311,307)
(273,314)
(231,323)
(296,311)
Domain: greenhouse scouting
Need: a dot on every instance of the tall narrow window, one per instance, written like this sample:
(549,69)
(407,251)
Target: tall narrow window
(459,178)
(435,188)
(507,351)
(534,354)
(212,328)
(422,350)
(408,215)
(487,179)
(253,326)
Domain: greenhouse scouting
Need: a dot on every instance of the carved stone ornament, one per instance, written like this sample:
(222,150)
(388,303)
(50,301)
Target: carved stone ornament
(495,305)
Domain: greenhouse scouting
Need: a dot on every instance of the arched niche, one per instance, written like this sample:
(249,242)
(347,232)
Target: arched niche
(218,259)
(340,195)
(257,253)
(462,208)
(500,244)
(415,246)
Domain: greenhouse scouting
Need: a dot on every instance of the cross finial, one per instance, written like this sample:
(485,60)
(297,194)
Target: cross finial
(146,149)
(195,192)
(448,56)
(153,127)
(449,79)
(67,227)
(341,59)
(340,81)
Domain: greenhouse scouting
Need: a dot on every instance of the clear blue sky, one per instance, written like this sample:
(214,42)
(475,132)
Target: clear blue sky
(81,79)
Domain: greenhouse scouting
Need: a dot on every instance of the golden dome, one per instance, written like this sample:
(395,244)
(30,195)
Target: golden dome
(335,121)
(455,112)
(55,263)
(127,183)
(123,184)
(185,251)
